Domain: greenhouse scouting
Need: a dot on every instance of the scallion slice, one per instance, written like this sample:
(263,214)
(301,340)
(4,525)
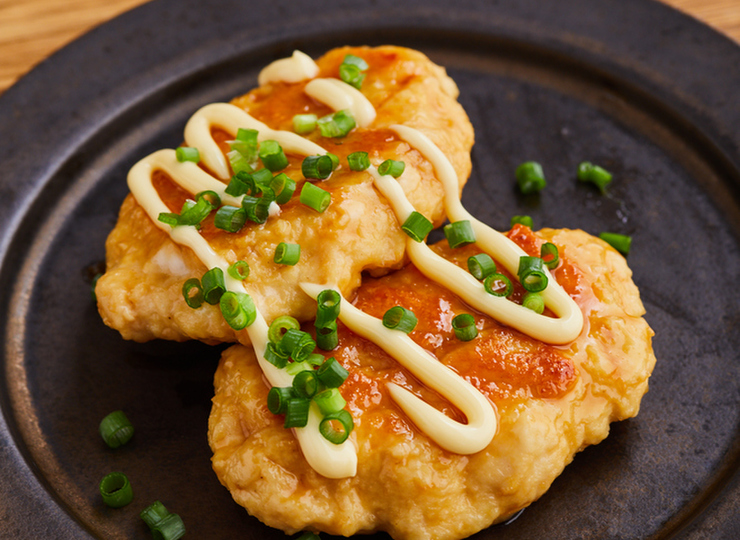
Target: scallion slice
(337,124)
(116,429)
(355,61)
(287,253)
(417,226)
(277,399)
(328,305)
(304,123)
(154,513)
(272,156)
(351,74)
(400,318)
(276,356)
(481,266)
(213,285)
(327,337)
(283,186)
(336,427)
(239,270)
(238,309)
(358,161)
(262,178)
(391,167)
(254,209)
(530,178)
(238,162)
(194,213)
(306,384)
(171,527)
(459,233)
(522,220)
(531,274)
(330,401)
(192,291)
(314,197)
(240,184)
(230,218)
(294,368)
(315,359)
(296,412)
(498,285)
(534,302)
(620,242)
(464,327)
(280,326)
(549,254)
(297,344)
(317,167)
(246,144)
(588,172)
(331,373)
(116,490)
(187,153)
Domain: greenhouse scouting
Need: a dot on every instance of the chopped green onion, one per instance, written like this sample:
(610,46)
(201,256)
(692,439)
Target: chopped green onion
(187,153)
(588,172)
(256,209)
(246,144)
(230,218)
(620,242)
(170,527)
(238,309)
(400,318)
(210,196)
(297,344)
(213,285)
(392,167)
(327,337)
(241,183)
(522,220)
(314,197)
(531,274)
(304,123)
(287,253)
(355,61)
(549,254)
(294,368)
(306,384)
(315,359)
(170,218)
(272,156)
(239,270)
(332,373)
(327,307)
(334,161)
(358,161)
(283,186)
(534,301)
(530,178)
(459,233)
(417,226)
(238,162)
(464,327)
(116,429)
(330,401)
(193,214)
(262,178)
(296,412)
(276,356)
(194,300)
(277,399)
(318,167)
(336,427)
(280,326)
(116,490)
(352,75)
(481,266)
(337,124)
(153,514)
(498,285)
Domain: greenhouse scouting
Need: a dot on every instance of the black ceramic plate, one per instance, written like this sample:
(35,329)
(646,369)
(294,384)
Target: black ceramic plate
(638,88)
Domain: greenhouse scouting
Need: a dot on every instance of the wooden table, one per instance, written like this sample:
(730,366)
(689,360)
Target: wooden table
(30,30)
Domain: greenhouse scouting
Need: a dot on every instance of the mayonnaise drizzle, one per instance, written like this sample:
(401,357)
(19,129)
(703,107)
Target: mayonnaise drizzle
(446,432)
(339,95)
(562,330)
(298,67)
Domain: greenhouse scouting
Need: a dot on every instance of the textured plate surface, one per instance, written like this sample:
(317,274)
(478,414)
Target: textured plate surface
(632,85)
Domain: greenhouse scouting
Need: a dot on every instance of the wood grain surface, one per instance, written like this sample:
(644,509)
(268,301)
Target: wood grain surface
(30,30)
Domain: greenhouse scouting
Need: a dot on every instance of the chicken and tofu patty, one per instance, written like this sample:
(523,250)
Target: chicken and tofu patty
(140,294)
(551,402)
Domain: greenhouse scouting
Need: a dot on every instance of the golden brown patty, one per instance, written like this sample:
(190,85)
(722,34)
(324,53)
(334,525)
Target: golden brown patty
(140,293)
(551,403)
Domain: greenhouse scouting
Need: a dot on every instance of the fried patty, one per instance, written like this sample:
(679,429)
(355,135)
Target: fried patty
(140,293)
(551,401)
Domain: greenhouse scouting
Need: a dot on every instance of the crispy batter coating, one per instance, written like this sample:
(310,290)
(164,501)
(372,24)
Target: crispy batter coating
(140,293)
(551,402)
